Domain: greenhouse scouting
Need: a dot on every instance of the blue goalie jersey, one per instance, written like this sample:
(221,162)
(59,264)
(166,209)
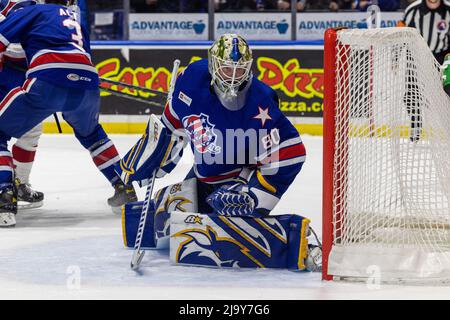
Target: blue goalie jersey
(257,137)
(57,47)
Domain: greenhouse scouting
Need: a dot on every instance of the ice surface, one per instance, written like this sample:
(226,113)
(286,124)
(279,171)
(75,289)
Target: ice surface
(75,233)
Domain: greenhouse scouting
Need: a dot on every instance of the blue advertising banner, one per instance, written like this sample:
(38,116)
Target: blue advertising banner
(254,26)
(311,26)
(192,26)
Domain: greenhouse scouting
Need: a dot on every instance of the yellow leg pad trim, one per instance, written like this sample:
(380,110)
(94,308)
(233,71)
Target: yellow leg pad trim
(264,182)
(124,229)
(303,253)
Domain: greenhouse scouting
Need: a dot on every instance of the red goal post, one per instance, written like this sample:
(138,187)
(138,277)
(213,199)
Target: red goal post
(328,146)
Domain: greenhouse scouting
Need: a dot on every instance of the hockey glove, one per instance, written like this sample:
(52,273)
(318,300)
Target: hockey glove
(233,200)
(446,74)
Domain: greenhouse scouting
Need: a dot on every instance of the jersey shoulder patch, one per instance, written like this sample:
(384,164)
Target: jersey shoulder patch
(185,98)
(192,82)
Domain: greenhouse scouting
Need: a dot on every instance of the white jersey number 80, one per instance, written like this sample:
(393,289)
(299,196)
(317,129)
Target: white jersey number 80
(271,139)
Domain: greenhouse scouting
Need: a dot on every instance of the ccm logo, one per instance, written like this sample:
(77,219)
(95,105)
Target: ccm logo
(75,77)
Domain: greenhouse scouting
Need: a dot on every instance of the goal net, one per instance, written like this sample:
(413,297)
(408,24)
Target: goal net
(386,190)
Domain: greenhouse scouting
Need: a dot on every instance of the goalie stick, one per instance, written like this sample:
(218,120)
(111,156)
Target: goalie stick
(131,97)
(138,253)
(115,83)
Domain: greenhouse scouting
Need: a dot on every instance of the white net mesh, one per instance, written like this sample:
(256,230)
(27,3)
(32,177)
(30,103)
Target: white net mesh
(392,159)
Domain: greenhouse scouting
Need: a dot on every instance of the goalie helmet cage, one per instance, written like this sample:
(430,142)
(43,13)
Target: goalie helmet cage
(386,160)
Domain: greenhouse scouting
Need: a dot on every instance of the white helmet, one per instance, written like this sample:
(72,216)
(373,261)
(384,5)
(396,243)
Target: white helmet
(230,62)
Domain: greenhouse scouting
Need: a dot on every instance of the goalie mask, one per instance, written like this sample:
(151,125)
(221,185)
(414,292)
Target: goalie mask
(8,6)
(230,61)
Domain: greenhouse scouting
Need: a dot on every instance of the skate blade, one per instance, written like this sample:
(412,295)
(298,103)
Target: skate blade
(10,226)
(22,205)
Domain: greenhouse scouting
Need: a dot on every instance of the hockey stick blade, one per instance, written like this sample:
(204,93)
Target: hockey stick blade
(112,91)
(136,261)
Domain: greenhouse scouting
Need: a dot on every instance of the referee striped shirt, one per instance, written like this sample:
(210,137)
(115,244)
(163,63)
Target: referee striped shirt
(433,25)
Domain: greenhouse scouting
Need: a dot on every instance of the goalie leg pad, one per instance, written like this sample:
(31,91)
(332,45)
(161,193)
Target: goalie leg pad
(239,242)
(177,197)
(180,197)
(131,215)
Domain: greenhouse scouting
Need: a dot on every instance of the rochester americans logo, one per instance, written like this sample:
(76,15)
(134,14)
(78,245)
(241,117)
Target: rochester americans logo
(202,133)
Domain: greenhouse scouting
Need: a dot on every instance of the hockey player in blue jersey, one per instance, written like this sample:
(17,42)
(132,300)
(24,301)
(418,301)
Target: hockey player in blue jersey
(12,75)
(247,153)
(60,77)
(246,156)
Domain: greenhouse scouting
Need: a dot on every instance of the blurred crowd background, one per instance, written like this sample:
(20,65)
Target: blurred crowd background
(168,6)
(112,20)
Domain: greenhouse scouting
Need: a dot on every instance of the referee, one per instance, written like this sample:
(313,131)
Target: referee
(432,19)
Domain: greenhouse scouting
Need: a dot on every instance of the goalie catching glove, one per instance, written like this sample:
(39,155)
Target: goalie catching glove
(247,197)
(233,200)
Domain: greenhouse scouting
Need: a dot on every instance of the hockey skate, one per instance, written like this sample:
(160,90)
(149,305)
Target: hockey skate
(8,207)
(313,261)
(123,194)
(28,198)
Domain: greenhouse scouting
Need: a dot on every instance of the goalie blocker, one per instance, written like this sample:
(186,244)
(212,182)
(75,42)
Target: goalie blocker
(156,150)
(217,241)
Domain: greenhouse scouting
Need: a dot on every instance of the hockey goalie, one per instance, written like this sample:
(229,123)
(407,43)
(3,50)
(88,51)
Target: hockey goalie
(246,155)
